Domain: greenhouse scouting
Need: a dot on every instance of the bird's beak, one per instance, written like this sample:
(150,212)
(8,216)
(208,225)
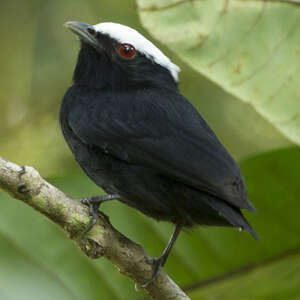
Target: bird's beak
(85,31)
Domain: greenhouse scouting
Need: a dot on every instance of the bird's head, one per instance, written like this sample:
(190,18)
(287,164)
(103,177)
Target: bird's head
(117,56)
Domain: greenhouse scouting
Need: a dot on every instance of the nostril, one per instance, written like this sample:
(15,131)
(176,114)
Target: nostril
(91,30)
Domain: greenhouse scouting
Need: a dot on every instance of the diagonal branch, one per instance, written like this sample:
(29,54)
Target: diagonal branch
(25,184)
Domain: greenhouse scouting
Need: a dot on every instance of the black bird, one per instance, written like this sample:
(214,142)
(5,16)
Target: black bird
(139,139)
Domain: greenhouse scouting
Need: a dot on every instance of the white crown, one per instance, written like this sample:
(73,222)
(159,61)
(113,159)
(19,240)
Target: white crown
(125,34)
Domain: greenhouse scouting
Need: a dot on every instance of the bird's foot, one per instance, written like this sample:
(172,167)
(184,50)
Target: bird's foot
(158,263)
(94,204)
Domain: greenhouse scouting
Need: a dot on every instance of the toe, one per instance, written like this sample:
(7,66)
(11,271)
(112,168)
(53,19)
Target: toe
(85,201)
(157,263)
(91,225)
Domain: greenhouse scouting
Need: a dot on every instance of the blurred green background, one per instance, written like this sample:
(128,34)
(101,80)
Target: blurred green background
(37,261)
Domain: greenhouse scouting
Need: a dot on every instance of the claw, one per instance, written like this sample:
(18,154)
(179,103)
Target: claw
(94,208)
(158,264)
(94,204)
(85,201)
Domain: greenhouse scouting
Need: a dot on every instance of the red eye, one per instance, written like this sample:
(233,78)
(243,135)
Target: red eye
(127,51)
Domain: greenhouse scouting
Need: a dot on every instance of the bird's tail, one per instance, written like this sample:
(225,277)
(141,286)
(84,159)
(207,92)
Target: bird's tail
(233,215)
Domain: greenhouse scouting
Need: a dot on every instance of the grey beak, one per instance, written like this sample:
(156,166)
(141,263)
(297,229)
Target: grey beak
(85,31)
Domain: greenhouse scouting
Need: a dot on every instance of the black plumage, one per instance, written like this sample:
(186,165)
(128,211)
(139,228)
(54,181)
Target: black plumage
(135,135)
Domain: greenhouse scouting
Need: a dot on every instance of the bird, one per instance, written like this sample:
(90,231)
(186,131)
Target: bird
(138,138)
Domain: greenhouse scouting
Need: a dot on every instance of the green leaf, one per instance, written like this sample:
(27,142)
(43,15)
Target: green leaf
(23,278)
(30,242)
(250,48)
(278,279)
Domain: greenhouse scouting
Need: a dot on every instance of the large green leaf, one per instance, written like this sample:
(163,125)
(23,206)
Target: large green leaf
(250,48)
(30,242)
(277,280)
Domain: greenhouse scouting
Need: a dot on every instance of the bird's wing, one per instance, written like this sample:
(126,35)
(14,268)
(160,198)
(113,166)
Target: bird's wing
(162,130)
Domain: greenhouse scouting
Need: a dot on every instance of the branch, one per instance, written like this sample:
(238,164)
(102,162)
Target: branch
(25,184)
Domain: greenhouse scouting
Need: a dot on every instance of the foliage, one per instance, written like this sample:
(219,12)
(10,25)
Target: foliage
(248,47)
